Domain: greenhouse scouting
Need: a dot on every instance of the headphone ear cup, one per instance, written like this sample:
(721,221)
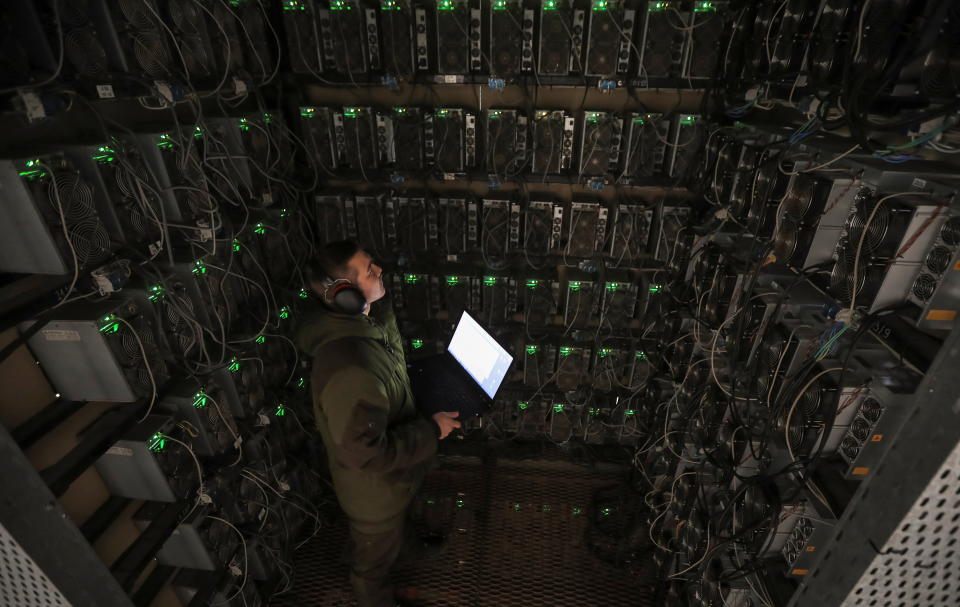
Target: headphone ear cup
(349,299)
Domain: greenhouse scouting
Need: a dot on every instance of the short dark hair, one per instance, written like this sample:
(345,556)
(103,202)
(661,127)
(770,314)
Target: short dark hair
(331,260)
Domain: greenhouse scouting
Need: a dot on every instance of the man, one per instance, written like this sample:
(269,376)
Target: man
(377,443)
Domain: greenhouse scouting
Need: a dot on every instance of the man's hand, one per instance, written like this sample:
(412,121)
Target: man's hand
(447,422)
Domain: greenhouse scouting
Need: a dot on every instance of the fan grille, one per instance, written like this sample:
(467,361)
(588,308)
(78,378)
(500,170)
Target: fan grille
(950,231)
(90,240)
(75,196)
(841,277)
(938,259)
(871,409)
(876,231)
(785,245)
(136,13)
(860,429)
(924,287)
(85,53)
(150,52)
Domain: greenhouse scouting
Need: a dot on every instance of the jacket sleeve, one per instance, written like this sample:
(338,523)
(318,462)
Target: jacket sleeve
(357,409)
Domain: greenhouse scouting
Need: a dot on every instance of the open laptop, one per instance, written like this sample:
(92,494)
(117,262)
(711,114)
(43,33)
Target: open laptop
(466,377)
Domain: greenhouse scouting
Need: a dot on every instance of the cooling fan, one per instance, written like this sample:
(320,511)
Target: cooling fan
(603,45)
(260,52)
(659,42)
(62,189)
(82,48)
(190,25)
(220,540)
(555,33)
(227,37)
(829,41)
(752,511)
(505,38)
(123,341)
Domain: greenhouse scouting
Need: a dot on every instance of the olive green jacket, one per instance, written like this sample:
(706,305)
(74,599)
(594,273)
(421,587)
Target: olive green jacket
(378,445)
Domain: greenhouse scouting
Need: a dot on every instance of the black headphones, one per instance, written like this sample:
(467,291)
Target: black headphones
(342,296)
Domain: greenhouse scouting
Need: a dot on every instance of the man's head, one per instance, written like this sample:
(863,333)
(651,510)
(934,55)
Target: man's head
(346,260)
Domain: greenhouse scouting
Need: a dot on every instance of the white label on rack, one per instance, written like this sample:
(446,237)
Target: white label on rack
(61,335)
(105,91)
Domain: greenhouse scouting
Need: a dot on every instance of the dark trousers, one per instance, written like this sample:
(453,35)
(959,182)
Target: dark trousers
(374,555)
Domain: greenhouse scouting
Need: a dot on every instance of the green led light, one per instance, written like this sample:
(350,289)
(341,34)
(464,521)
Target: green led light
(234,365)
(489,281)
(157,442)
(631,412)
(411,278)
(155,292)
(600,5)
(638,121)
(281,410)
(389,5)
(351,112)
(110,325)
(198,131)
(261,339)
(236,245)
(199,267)
(416,344)
(532,349)
(566,351)
(704,7)
(268,118)
(301,383)
(244,124)
(104,154)
(516,507)
(641,355)
(442,113)
(199,400)
(293,5)
(558,408)
(164,141)
(532,283)
(547,508)
(593,116)
(308,112)
(613,286)
(460,503)
(576,511)
(549,5)
(453,280)
(32,174)
(340,5)
(495,114)
(656,7)
(655,288)
(303,294)
(430,501)
(606,511)
(522,406)
(259,228)
(499,5)
(399,110)
(284,312)
(687,119)
(283,213)
(574,285)
(593,411)
(446,5)
(604,352)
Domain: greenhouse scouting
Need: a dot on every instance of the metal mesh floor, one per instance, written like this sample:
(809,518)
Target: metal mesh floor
(517,537)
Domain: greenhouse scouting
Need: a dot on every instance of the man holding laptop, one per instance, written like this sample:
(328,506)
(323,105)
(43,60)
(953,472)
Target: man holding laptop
(378,444)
